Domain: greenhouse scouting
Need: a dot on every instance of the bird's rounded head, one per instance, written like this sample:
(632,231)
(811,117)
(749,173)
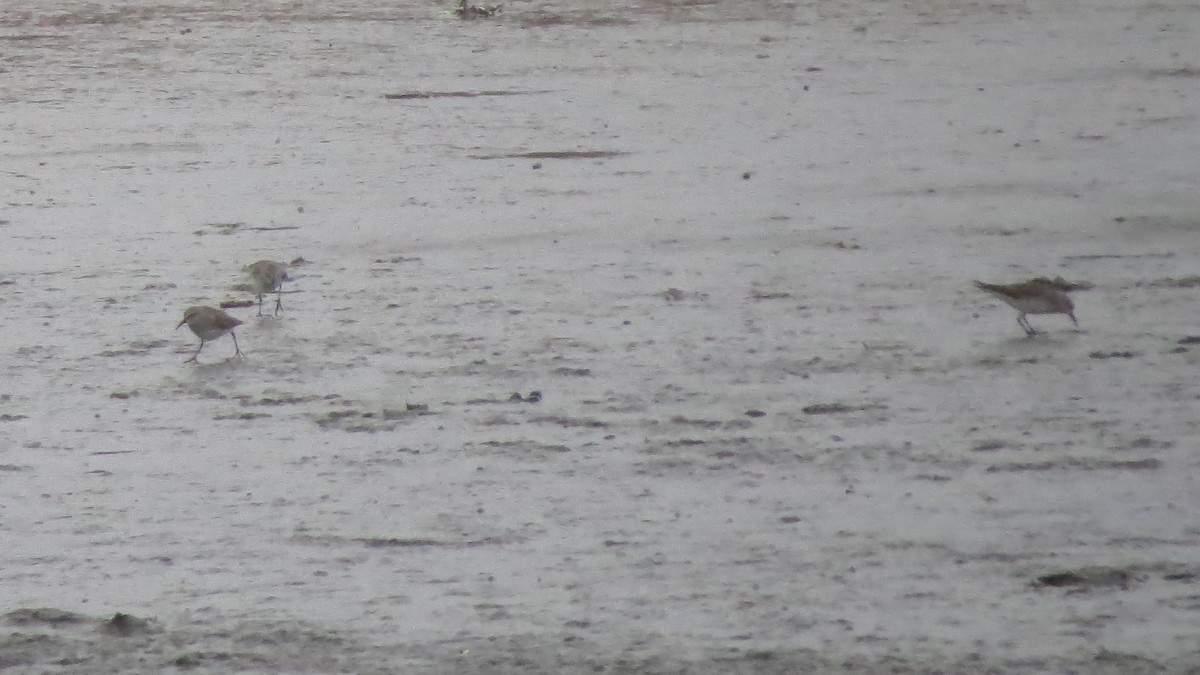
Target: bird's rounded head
(187,314)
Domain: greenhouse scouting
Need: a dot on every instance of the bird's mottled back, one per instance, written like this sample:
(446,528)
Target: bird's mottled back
(266,276)
(1037,296)
(208,323)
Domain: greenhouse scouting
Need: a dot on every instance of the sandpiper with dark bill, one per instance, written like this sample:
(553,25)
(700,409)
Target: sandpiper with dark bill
(210,323)
(1037,296)
(267,276)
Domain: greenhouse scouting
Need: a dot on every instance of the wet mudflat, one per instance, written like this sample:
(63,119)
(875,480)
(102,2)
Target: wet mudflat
(637,338)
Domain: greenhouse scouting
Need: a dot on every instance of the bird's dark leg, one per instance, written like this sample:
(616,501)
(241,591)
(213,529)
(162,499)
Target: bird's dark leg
(279,301)
(197,352)
(237,351)
(1023,321)
(260,304)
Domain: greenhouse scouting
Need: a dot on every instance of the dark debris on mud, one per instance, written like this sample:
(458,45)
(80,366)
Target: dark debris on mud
(534,396)
(835,408)
(49,640)
(1089,577)
(370,421)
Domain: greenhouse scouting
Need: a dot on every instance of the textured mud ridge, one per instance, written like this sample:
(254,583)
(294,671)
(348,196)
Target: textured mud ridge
(49,640)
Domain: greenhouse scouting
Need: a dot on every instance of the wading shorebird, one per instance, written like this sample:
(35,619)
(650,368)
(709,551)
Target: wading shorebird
(1039,296)
(210,323)
(465,11)
(267,276)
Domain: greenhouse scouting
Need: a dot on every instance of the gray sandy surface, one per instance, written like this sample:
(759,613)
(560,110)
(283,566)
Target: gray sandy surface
(729,244)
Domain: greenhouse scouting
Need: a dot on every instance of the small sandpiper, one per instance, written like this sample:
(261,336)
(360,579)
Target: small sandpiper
(1038,296)
(210,323)
(267,276)
(466,11)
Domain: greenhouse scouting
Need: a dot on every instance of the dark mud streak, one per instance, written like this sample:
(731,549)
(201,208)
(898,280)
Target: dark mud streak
(556,154)
(416,95)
